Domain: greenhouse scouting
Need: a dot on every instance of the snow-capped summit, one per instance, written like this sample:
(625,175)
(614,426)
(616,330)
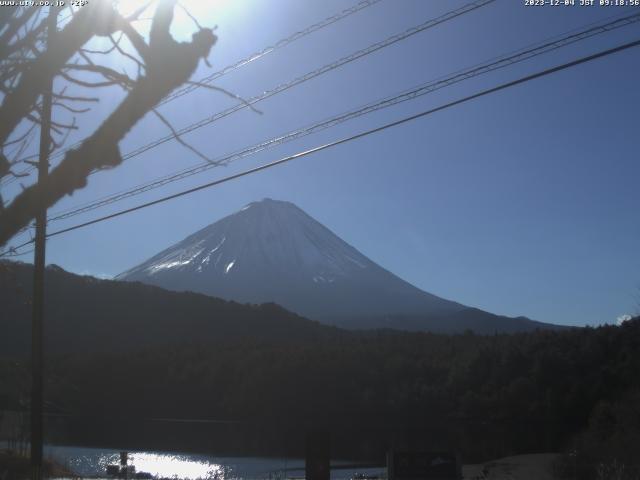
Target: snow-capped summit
(272,251)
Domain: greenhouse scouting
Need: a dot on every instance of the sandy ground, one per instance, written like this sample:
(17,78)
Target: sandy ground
(519,467)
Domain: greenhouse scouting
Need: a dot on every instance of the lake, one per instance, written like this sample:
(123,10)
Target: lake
(93,461)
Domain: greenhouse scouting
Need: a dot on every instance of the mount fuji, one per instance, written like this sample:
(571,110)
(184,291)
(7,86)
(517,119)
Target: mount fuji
(272,251)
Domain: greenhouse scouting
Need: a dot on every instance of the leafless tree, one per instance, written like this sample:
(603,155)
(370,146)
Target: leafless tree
(28,59)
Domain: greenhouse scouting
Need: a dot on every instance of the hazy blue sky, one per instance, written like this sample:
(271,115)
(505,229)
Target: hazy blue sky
(524,202)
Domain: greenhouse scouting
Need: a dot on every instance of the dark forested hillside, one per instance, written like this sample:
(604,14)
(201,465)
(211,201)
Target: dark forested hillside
(85,314)
(487,396)
(279,375)
(548,377)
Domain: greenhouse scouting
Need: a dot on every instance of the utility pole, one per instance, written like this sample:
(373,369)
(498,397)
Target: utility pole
(37,357)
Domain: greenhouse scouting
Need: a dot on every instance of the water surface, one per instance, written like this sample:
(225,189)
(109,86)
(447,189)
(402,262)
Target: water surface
(93,462)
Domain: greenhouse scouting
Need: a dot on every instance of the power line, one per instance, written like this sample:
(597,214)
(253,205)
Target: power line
(310,75)
(393,39)
(11,252)
(281,43)
(500,62)
(366,133)
(241,63)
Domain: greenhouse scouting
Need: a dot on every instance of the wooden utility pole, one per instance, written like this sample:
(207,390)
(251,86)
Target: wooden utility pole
(37,357)
(318,456)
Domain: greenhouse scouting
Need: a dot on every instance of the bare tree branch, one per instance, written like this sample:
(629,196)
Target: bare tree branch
(179,139)
(61,96)
(27,39)
(136,40)
(70,109)
(20,138)
(188,13)
(97,18)
(101,150)
(57,144)
(104,52)
(17,175)
(13,25)
(85,83)
(23,146)
(106,72)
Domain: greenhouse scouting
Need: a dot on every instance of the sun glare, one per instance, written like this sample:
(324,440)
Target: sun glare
(189,15)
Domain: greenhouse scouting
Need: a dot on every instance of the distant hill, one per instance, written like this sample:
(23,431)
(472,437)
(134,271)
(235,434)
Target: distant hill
(272,251)
(469,319)
(87,314)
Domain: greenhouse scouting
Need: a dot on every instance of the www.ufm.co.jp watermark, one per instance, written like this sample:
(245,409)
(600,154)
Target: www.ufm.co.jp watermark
(43,3)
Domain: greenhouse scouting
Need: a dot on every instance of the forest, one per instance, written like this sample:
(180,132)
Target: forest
(487,396)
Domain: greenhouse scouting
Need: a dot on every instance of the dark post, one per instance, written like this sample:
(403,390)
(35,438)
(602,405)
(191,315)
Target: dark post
(317,456)
(37,363)
(124,467)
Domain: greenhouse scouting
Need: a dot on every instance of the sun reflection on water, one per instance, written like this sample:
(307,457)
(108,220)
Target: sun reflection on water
(175,466)
(92,463)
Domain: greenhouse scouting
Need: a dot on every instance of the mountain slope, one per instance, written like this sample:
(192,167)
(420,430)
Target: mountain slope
(272,251)
(85,314)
